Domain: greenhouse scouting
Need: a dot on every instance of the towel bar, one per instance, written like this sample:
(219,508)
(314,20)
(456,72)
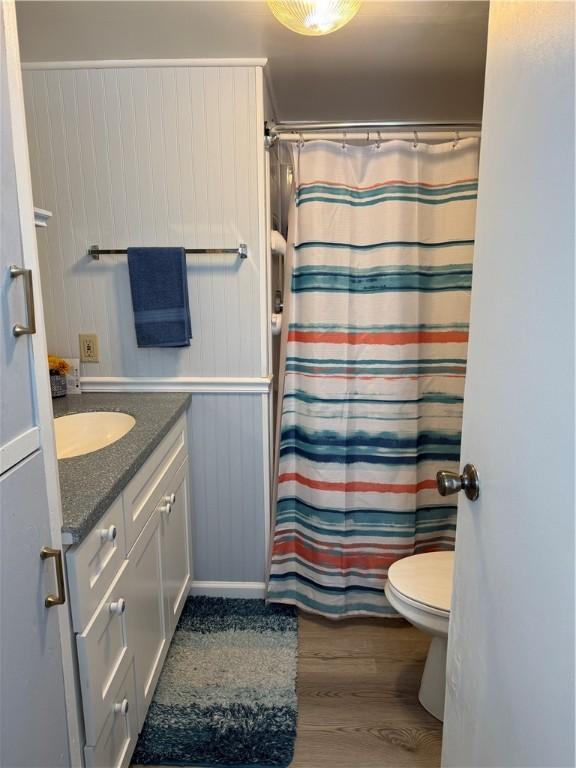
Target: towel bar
(241,251)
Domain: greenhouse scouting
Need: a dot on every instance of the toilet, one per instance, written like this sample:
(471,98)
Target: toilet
(420,589)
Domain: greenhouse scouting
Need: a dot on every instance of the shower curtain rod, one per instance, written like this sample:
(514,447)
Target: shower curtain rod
(294,125)
(274,131)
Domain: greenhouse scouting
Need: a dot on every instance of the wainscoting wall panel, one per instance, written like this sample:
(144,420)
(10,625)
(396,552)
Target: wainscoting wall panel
(230,510)
(150,156)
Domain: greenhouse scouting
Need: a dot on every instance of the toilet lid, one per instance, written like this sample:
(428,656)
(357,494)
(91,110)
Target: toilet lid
(425,578)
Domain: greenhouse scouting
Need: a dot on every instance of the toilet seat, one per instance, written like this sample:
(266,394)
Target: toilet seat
(425,580)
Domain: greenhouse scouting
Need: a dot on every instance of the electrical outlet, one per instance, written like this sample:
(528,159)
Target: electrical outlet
(89,348)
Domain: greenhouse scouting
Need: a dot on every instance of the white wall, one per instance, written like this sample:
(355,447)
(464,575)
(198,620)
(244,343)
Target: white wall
(159,154)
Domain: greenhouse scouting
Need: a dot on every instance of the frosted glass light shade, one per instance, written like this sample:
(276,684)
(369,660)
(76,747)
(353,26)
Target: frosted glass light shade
(314,17)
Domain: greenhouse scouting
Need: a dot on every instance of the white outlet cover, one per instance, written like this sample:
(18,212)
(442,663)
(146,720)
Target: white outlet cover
(73,386)
(89,341)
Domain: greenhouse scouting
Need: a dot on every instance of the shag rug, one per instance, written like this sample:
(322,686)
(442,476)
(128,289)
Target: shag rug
(227,693)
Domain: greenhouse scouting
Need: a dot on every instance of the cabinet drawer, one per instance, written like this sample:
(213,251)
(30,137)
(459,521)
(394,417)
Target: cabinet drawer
(94,564)
(142,494)
(103,655)
(118,736)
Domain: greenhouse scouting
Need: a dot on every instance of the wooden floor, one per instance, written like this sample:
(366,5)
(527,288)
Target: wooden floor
(358,683)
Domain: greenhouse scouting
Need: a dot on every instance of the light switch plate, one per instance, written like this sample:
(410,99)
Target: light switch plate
(89,352)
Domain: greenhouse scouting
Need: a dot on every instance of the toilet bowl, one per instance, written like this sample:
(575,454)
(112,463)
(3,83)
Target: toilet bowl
(420,589)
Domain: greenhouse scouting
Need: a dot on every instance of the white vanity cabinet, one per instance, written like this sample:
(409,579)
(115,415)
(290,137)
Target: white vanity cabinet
(128,581)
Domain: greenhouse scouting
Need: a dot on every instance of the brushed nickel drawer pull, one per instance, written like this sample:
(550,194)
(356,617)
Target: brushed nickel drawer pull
(18,329)
(60,598)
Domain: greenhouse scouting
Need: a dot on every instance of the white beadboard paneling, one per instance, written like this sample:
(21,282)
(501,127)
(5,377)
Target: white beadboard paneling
(229,529)
(151,155)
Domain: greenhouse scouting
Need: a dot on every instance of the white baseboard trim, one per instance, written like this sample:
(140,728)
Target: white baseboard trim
(198,384)
(248,589)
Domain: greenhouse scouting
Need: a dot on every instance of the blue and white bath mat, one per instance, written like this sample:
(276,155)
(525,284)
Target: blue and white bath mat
(227,693)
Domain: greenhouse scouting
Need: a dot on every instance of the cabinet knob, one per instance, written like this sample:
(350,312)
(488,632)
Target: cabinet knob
(118,606)
(121,707)
(166,508)
(109,534)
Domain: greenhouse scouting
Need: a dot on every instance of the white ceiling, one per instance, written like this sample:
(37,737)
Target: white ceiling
(398,59)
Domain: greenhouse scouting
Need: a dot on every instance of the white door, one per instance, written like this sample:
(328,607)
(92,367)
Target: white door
(510,676)
(33,716)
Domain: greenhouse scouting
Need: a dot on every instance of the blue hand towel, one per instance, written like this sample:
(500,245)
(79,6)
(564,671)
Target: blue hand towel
(159,288)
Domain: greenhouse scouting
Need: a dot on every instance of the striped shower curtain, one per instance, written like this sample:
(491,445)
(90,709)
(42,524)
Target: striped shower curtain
(382,243)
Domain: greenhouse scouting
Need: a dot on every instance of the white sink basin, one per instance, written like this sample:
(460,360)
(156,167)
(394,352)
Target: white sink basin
(82,433)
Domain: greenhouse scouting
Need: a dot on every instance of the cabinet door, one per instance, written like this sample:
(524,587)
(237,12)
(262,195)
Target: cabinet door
(176,546)
(33,713)
(146,617)
(19,430)
(32,702)
(143,492)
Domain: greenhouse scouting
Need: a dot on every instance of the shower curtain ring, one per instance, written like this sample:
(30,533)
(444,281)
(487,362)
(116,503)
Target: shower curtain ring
(344,141)
(379,142)
(300,140)
(456,139)
(415,144)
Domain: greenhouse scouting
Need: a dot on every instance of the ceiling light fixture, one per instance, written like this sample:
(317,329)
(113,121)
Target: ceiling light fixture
(314,17)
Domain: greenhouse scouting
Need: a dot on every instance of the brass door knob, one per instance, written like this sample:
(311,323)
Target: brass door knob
(451,482)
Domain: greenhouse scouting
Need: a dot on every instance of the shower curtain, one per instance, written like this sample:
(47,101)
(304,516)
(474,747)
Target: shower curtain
(375,359)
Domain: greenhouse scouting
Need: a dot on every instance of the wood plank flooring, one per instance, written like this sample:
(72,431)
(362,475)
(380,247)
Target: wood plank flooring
(358,684)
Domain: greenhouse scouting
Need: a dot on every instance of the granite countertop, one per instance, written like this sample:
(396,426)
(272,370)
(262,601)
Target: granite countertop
(90,483)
